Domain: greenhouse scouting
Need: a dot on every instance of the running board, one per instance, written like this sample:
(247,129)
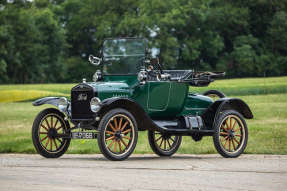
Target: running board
(173,127)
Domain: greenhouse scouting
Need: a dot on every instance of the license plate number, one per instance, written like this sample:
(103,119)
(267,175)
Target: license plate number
(84,135)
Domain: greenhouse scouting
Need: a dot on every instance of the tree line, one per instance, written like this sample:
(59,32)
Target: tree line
(47,41)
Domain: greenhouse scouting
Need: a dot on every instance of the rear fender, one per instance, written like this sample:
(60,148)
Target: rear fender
(144,122)
(212,113)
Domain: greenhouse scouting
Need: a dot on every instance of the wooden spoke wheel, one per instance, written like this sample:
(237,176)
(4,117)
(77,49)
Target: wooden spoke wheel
(164,144)
(47,125)
(230,138)
(118,134)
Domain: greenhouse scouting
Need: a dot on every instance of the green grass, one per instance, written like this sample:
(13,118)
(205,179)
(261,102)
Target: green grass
(267,131)
(247,86)
(231,87)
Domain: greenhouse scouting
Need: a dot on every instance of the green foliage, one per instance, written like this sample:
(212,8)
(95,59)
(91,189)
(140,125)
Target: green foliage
(32,44)
(50,40)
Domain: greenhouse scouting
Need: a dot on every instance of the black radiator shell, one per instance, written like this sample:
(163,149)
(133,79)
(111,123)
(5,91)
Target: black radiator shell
(81,96)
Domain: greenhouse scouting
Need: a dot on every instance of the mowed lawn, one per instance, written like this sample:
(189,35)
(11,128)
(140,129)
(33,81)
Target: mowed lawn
(267,98)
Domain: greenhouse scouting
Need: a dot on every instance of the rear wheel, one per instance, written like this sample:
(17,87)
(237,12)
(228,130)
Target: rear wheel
(231,134)
(118,134)
(163,144)
(214,94)
(46,126)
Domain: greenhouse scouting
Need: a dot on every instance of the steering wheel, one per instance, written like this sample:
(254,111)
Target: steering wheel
(155,63)
(154,68)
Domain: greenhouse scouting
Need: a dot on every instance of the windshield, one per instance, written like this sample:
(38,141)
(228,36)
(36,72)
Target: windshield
(123,56)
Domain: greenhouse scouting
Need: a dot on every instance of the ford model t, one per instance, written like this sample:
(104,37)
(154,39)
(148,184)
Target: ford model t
(130,93)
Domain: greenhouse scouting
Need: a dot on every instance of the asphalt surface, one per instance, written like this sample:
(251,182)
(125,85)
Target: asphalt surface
(143,172)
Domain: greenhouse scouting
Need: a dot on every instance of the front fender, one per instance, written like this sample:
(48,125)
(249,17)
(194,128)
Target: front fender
(212,113)
(46,100)
(143,120)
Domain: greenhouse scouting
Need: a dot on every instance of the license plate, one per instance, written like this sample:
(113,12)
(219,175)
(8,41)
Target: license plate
(84,135)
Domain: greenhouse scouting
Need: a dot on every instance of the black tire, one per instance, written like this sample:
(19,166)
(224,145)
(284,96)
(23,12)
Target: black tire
(168,149)
(231,134)
(43,132)
(214,93)
(115,127)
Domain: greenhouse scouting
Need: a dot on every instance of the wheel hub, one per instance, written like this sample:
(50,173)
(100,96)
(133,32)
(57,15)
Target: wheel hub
(231,134)
(52,133)
(118,135)
(166,136)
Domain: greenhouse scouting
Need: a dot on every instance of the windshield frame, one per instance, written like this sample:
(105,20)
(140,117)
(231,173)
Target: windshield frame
(106,60)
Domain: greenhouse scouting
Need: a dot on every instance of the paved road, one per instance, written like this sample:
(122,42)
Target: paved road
(143,172)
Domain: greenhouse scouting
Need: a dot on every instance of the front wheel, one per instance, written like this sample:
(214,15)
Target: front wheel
(231,134)
(118,134)
(46,126)
(163,144)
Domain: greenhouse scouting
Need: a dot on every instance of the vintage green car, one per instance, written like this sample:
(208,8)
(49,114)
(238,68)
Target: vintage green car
(130,93)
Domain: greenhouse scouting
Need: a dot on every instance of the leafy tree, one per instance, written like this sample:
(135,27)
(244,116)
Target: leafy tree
(50,40)
(32,44)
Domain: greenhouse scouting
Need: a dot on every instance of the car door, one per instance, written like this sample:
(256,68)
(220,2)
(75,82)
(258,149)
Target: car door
(158,95)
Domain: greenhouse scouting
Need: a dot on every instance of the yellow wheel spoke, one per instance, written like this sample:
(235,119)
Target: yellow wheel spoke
(115,147)
(124,142)
(158,138)
(44,127)
(116,124)
(237,130)
(126,137)
(235,123)
(112,127)
(161,142)
(225,144)
(59,128)
(55,144)
(124,126)
(120,124)
(47,123)
(226,124)
(126,131)
(109,132)
(223,133)
(56,123)
(120,146)
(51,145)
(233,144)
(169,144)
(223,127)
(110,138)
(59,140)
(44,139)
(236,141)
(111,143)
(52,122)
(47,142)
